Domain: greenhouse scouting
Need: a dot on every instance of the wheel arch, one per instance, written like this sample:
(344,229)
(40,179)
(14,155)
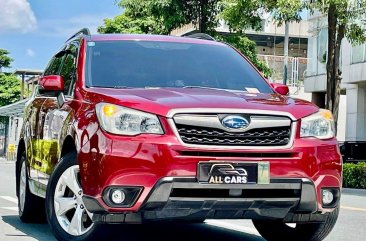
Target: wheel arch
(68,146)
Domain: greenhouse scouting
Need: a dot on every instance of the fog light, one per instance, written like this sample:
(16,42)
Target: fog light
(118,196)
(328,197)
(121,196)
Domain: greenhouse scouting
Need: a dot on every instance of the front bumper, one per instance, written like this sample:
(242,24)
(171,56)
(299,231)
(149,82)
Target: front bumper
(293,200)
(151,161)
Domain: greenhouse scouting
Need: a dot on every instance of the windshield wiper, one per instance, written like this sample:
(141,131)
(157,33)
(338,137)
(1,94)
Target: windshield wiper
(112,87)
(121,87)
(210,88)
(199,87)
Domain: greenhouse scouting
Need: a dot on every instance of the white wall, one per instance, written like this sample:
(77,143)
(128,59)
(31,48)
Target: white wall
(14,130)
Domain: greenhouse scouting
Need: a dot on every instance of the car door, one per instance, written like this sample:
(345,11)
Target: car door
(54,116)
(31,126)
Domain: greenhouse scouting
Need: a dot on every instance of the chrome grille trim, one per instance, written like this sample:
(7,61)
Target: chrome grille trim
(281,116)
(173,112)
(213,121)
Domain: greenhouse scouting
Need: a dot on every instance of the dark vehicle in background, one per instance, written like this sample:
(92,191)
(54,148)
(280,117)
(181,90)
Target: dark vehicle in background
(145,128)
(353,151)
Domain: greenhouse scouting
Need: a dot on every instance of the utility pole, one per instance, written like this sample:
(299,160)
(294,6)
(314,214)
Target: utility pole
(285,66)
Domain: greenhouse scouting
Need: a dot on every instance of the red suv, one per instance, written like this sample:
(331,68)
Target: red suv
(140,128)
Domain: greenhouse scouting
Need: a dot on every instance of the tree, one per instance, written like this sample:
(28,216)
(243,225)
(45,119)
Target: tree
(136,18)
(176,13)
(5,60)
(345,20)
(244,14)
(163,16)
(9,84)
(248,48)
(9,89)
(125,23)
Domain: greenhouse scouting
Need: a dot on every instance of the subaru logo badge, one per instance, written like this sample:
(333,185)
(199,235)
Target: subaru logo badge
(235,122)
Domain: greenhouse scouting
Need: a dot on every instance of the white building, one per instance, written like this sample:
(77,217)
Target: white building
(353,66)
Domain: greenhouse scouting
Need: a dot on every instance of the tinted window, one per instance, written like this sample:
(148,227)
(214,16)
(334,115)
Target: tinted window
(53,67)
(140,64)
(68,72)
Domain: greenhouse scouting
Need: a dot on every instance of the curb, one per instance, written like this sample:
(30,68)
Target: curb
(361,192)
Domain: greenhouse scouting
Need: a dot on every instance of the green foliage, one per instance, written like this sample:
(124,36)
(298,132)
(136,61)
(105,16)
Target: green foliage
(136,18)
(241,14)
(124,23)
(244,14)
(175,13)
(163,16)
(9,89)
(5,60)
(285,10)
(354,175)
(248,48)
(9,84)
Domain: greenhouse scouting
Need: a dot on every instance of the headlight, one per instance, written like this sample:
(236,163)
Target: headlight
(319,125)
(124,121)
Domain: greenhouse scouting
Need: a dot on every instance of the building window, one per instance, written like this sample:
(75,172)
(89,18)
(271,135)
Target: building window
(322,50)
(317,53)
(312,52)
(358,54)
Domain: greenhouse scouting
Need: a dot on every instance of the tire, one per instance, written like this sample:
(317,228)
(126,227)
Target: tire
(277,230)
(71,221)
(31,207)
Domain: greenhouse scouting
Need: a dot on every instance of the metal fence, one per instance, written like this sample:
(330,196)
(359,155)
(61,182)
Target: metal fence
(296,69)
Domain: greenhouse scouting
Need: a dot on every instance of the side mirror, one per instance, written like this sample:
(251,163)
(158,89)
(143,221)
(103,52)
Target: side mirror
(280,88)
(52,83)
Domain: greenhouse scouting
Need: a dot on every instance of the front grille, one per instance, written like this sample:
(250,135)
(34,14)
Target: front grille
(273,136)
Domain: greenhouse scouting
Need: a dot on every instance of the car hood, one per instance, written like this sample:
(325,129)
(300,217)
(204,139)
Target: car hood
(161,101)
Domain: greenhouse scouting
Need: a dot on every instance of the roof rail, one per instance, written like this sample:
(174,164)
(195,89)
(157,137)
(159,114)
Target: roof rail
(204,36)
(84,31)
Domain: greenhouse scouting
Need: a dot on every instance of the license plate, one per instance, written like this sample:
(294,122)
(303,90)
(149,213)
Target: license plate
(227,173)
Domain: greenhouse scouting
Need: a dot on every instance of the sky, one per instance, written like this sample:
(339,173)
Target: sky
(34,30)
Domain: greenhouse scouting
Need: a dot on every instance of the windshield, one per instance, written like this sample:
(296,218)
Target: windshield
(151,64)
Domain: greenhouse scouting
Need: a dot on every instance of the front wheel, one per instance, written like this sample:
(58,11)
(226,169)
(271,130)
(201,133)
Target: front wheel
(65,209)
(277,230)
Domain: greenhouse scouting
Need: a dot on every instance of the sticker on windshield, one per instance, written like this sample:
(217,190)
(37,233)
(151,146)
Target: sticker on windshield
(252,90)
(91,44)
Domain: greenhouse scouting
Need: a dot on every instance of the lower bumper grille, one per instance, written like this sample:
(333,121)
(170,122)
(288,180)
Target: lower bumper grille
(225,193)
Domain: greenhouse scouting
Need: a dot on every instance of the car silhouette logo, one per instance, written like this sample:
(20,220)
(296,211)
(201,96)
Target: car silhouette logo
(235,122)
(227,169)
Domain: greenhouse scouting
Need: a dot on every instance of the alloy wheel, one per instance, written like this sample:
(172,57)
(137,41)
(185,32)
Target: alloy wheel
(68,203)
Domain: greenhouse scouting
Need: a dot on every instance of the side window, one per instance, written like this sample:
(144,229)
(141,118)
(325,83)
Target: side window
(53,67)
(68,72)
